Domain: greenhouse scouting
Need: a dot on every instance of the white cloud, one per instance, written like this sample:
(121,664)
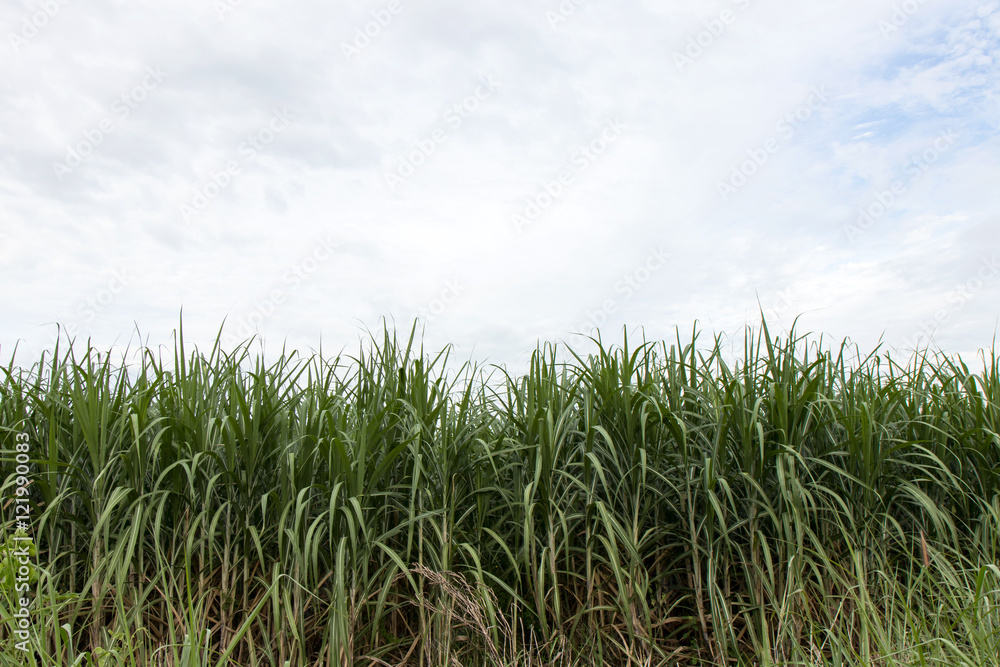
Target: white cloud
(778,239)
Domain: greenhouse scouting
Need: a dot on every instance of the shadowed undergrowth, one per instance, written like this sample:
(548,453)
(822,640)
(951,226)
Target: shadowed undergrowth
(646,505)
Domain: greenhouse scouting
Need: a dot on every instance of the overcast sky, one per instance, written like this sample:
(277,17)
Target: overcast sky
(510,172)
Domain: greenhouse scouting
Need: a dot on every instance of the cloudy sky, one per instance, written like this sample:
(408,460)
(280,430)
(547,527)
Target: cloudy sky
(509,172)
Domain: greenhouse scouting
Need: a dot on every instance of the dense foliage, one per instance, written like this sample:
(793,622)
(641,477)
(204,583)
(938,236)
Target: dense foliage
(644,505)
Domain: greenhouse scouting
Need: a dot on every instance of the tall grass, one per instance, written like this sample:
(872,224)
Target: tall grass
(646,504)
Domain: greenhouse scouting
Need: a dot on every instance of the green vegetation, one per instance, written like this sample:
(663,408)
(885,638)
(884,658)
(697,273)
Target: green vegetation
(645,505)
